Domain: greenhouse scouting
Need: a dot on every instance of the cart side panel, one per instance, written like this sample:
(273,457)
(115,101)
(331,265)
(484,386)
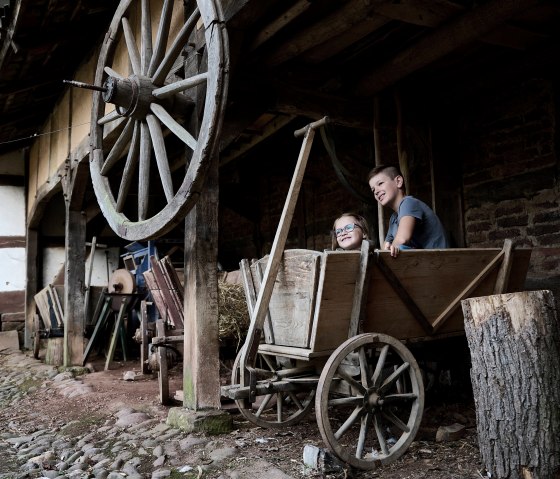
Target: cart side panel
(335,294)
(433,279)
(292,302)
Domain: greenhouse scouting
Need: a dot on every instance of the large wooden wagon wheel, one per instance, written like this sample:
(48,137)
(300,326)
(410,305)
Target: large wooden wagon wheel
(370,400)
(289,400)
(160,106)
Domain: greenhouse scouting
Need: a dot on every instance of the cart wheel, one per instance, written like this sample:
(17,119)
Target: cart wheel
(370,399)
(278,409)
(156,108)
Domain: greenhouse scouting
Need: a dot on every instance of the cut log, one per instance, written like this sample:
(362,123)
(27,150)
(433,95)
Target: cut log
(514,340)
(55,352)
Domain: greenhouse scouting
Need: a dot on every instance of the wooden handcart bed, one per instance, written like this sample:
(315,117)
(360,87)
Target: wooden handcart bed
(335,335)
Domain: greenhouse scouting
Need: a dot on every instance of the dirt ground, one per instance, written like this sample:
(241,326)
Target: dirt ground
(426,458)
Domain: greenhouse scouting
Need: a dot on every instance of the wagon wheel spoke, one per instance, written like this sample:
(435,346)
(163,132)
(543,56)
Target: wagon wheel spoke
(161,37)
(133,53)
(130,167)
(116,152)
(109,117)
(113,73)
(365,371)
(393,377)
(354,416)
(296,401)
(396,398)
(167,62)
(380,436)
(347,401)
(170,123)
(161,156)
(366,425)
(146,37)
(180,86)
(264,404)
(380,365)
(352,382)
(395,421)
(144,171)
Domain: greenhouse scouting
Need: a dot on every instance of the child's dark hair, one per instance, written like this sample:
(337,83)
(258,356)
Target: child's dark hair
(359,220)
(391,171)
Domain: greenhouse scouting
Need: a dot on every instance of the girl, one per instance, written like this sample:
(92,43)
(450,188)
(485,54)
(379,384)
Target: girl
(349,229)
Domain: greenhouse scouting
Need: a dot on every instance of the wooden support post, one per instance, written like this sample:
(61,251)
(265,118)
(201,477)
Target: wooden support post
(378,162)
(116,334)
(163,373)
(144,334)
(514,341)
(201,365)
(74,288)
(31,289)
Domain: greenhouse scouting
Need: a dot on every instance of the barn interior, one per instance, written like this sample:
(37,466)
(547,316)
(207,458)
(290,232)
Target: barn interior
(461,94)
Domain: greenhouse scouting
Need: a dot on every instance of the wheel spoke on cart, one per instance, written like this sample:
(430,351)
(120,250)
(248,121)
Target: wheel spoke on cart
(376,379)
(355,416)
(144,171)
(296,401)
(170,123)
(175,49)
(264,404)
(180,86)
(352,382)
(161,36)
(364,428)
(393,377)
(146,37)
(380,436)
(392,398)
(390,416)
(109,117)
(118,148)
(347,401)
(161,156)
(113,73)
(129,167)
(364,368)
(133,53)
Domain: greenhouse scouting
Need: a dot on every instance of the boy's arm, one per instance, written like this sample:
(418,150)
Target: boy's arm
(404,234)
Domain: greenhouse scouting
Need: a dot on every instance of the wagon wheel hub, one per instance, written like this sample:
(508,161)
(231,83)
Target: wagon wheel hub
(373,400)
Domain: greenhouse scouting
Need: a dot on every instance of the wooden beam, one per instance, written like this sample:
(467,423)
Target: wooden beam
(74,287)
(326,28)
(453,35)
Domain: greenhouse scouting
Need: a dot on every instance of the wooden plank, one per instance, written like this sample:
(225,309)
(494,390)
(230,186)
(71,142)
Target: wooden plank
(100,322)
(292,301)
(335,299)
(360,292)
(434,279)
(175,316)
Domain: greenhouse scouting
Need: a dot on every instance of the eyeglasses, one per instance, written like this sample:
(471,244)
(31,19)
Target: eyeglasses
(346,229)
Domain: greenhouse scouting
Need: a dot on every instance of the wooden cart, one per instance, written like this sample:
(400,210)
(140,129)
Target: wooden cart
(335,333)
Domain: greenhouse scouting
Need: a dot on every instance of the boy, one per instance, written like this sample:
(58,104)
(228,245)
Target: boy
(413,224)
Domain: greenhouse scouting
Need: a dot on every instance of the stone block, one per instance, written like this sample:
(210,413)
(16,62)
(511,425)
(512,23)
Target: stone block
(209,421)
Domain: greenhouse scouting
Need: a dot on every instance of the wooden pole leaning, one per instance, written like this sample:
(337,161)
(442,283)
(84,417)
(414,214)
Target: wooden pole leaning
(260,310)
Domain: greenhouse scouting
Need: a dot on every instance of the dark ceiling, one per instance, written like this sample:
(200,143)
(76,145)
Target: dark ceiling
(293,58)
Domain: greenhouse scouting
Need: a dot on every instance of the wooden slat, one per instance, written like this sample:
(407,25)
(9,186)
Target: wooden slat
(335,298)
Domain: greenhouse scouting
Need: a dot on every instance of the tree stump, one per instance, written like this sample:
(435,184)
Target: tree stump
(55,352)
(514,340)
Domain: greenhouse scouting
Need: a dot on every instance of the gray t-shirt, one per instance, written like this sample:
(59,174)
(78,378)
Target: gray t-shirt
(428,231)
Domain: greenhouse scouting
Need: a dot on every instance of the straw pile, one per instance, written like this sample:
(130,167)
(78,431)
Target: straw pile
(234,316)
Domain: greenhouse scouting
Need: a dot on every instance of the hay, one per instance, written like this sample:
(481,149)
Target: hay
(234,316)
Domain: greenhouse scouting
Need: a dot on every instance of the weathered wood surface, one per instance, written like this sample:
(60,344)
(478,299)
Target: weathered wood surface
(514,341)
(167,290)
(436,281)
(292,302)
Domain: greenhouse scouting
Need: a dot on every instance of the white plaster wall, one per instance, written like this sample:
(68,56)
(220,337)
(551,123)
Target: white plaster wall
(101,264)
(12,273)
(53,260)
(12,211)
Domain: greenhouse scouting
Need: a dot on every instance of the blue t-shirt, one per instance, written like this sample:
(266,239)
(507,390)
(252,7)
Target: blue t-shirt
(428,231)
